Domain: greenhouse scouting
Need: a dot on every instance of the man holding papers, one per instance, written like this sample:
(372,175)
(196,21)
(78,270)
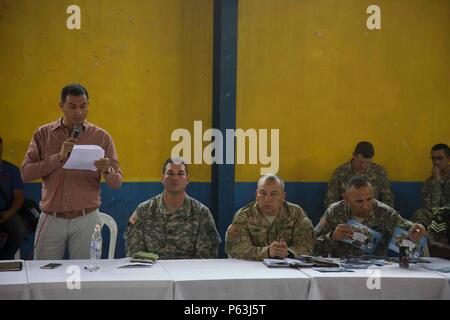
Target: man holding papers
(360,224)
(70,193)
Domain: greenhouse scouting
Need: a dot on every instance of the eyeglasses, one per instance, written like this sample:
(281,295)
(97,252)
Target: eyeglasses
(438,158)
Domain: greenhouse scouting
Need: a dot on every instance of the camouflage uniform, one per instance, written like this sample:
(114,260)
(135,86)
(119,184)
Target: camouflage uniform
(188,233)
(376,175)
(435,194)
(384,219)
(255,233)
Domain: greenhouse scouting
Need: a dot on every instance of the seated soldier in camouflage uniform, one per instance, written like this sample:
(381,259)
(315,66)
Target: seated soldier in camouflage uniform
(439,231)
(436,189)
(359,204)
(172,224)
(361,164)
(270,227)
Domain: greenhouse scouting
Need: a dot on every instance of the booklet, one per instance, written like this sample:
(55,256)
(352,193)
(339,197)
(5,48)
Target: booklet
(401,237)
(301,262)
(11,266)
(364,238)
(286,262)
(135,263)
(363,262)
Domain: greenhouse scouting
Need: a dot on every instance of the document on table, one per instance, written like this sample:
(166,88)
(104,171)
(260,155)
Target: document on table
(83,157)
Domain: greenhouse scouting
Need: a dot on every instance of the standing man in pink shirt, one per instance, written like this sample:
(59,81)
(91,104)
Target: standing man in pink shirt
(70,198)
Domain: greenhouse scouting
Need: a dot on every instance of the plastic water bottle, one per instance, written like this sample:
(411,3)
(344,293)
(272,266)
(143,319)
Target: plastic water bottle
(96,248)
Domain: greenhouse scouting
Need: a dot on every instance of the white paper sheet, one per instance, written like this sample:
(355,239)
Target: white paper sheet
(83,157)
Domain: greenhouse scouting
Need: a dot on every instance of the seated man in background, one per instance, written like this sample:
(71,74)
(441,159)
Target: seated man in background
(12,228)
(436,189)
(361,164)
(270,227)
(359,204)
(172,224)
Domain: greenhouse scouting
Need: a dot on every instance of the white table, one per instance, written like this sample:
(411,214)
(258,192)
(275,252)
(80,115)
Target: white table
(107,283)
(14,284)
(388,282)
(231,279)
(439,262)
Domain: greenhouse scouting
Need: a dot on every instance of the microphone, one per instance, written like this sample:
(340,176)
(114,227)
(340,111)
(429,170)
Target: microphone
(76,131)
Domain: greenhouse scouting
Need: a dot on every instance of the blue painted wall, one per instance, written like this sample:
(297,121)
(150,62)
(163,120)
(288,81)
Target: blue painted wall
(121,203)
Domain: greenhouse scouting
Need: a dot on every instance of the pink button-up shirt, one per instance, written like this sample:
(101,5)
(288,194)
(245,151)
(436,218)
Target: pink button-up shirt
(67,190)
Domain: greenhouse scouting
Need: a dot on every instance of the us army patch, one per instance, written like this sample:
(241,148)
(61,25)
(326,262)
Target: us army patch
(133,218)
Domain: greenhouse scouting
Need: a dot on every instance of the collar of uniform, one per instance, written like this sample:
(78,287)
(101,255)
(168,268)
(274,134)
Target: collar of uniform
(260,217)
(163,208)
(59,124)
(373,215)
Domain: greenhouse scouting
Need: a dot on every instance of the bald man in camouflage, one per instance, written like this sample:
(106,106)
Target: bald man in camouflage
(270,227)
(359,204)
(360,164)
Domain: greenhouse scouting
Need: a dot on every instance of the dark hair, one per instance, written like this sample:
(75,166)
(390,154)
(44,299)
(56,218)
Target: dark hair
(358,182)
(74,89)
(365,149)
(175,161)
(443,147)
(1,140)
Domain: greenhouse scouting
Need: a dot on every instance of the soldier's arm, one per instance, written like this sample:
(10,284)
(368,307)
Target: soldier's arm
(208,238)
(304,238)
(334,190)
(394,219)
(238,243)
(134,234)
(385,192)
(324,231)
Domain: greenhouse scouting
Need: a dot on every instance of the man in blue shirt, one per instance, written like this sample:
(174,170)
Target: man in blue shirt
(12,228)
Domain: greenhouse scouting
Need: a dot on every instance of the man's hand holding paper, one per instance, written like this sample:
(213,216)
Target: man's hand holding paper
(84,157)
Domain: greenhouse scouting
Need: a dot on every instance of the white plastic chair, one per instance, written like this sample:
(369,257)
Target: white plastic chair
(112,225)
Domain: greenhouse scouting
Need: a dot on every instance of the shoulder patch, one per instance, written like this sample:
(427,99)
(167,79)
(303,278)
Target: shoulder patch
(232,230)
(133,218)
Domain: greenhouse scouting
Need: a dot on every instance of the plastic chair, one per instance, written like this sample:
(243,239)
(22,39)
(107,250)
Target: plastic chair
(112,225)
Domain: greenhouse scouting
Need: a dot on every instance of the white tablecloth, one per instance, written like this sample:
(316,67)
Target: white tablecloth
(14,284)
(390,282)
(439,262)
(234,280)
(220,279)
(107,283)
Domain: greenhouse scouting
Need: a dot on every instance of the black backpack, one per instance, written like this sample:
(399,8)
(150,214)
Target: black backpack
(29,212)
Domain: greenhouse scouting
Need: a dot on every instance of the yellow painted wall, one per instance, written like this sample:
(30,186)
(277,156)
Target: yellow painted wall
(312,69)
(147,65)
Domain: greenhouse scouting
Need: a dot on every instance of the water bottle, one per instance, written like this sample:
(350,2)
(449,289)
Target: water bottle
(96,248)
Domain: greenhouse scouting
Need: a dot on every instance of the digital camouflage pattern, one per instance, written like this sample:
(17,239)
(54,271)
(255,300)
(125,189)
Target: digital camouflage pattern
(435,194)
(384,219)
(252,233)
(188,233)
(376,175)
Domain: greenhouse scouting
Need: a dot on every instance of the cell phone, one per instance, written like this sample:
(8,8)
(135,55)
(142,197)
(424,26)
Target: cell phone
(51,266)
